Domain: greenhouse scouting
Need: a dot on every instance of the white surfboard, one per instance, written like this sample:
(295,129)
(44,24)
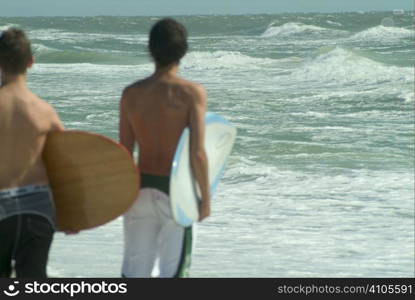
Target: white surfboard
(184,195)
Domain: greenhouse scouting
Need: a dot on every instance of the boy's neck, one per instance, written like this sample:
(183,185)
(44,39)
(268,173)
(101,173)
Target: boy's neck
(166,71)
(18,80)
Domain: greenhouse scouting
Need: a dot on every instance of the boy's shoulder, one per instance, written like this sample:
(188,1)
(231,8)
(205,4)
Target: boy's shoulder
(193,89)
(184,85)
(135,87)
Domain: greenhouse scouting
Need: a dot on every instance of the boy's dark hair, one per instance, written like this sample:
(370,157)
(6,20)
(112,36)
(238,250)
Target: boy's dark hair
(168,42)
(15,51)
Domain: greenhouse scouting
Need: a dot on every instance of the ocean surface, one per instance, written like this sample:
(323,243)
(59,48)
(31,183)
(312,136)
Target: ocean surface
(321,180)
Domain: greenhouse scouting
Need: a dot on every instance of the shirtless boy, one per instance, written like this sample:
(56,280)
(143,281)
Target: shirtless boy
(153,114)
(26,208)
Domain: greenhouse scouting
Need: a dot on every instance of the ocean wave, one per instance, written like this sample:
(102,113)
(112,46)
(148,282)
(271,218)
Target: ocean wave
(311,114)
(222,60)
(87,69)
(40,49)
(334,23)
(68,37)
(383,33)
(8,25)
(343,66)
(407,96)
(295,29)
(49,34)
(46,54)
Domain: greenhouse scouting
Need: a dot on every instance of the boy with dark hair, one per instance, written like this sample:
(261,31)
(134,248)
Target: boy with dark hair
(153,113)
(27,213)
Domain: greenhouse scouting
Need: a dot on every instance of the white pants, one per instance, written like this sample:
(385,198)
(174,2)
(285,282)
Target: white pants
(150,234)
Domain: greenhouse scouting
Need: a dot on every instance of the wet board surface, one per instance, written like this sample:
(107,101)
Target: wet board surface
(184,195)
(93,179)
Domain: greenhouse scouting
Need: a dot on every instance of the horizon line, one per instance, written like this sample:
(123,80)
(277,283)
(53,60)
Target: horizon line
(216,14)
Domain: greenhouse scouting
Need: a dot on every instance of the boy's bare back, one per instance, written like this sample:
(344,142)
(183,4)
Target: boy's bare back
(25,121)
(158,109)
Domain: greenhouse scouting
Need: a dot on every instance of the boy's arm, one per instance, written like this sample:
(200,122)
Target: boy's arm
(56,123)
(126,134)
(198,155)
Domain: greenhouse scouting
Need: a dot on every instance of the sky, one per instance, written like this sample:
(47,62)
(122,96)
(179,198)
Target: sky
(10,8)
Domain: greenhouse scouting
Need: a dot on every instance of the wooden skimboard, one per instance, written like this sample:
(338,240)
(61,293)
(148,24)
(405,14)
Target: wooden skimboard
(220,136)
(93,179)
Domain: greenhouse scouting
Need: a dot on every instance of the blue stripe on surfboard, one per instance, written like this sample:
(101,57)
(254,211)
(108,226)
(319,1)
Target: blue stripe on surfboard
(217,179)
(184,219)
(215,118)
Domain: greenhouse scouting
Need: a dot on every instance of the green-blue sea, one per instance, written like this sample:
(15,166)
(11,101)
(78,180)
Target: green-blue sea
(320,182)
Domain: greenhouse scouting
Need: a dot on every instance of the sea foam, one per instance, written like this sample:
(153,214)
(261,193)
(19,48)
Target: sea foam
(7,26)
(295,29)
(383,33)
(215,60)
(343,66)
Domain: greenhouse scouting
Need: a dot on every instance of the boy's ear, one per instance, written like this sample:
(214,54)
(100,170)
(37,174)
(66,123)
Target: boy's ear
(31,62)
